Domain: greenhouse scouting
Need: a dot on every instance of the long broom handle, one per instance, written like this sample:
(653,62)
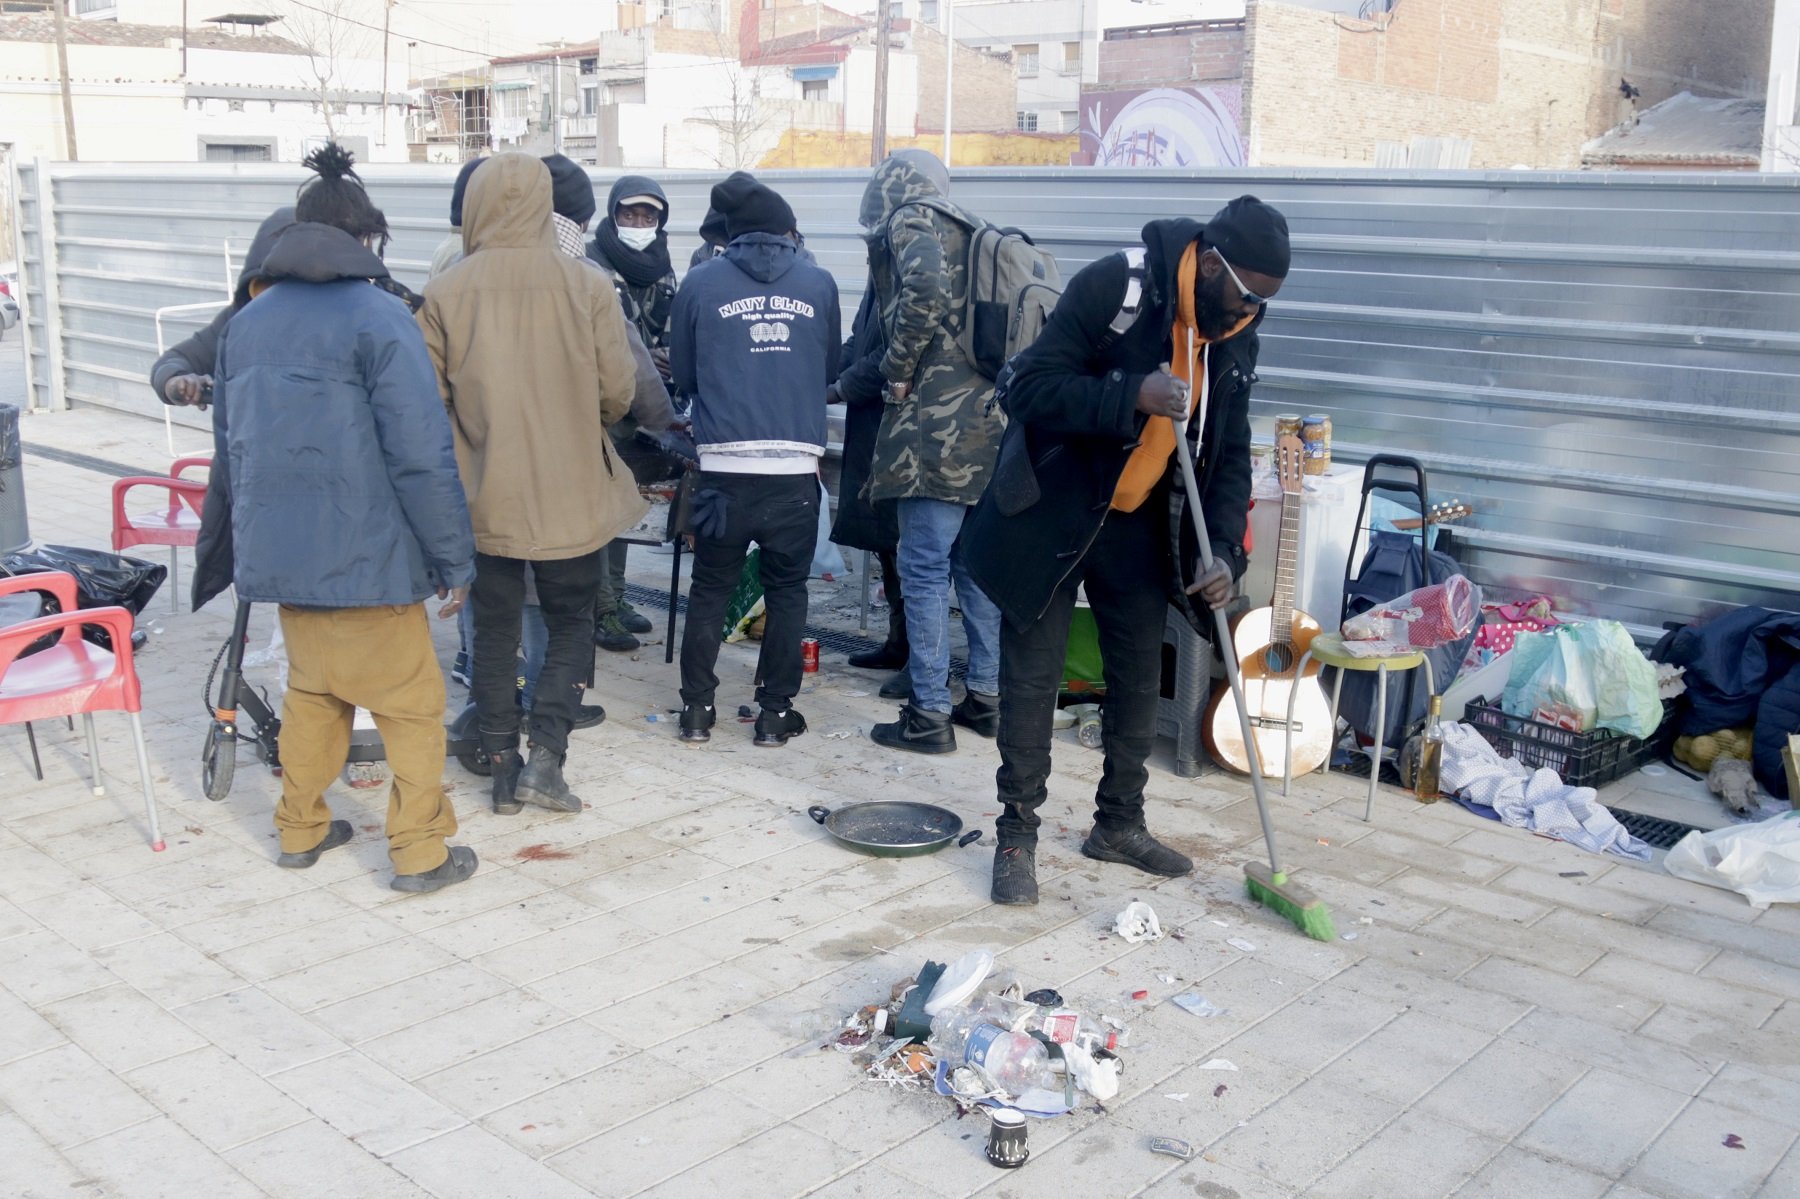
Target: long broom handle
(1224,629)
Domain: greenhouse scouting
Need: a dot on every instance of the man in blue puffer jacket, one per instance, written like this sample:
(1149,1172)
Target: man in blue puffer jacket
(347,511)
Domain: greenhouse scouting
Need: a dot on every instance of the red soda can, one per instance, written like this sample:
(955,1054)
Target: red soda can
(809,655)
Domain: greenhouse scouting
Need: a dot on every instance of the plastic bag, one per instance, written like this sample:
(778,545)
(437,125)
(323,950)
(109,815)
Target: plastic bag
(1759,861)
(1582,677)
(827,558)
(102,579)
(1423,618)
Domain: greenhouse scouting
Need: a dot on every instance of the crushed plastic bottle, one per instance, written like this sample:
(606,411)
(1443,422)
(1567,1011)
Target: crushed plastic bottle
(1013,1061)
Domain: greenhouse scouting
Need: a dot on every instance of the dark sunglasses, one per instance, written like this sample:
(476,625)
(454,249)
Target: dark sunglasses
(1249,297)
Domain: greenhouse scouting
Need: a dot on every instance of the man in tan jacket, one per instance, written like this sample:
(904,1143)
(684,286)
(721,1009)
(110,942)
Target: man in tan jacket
(533,363)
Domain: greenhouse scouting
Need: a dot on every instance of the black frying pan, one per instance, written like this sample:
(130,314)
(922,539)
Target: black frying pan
(893,828)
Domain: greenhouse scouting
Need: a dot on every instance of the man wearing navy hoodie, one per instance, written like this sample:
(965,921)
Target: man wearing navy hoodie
(769,324)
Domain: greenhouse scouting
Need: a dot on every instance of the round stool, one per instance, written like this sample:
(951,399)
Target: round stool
(1328,648)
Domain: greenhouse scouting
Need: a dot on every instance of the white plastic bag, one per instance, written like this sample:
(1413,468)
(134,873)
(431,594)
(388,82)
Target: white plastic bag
(1582,677)
(1759,861)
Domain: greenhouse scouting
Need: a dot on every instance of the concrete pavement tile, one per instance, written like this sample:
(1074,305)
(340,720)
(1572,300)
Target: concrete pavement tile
(1471,1005)
(1453,891)
(592,935)
(1761,974)
(313,1159)
(593,851)
(1784,1179)
(499,1077)
(120,1028)
(644,879)
(869,1118)
(1590,997)
(408,1002)
(1768,942)
(1520,847)
(1256,1085)
(682,1005)
(1598,1045)
(28,874)
(14,922)
(1103,1158)
(658,1144)
(68,1097)
(1691,1157)
(1350,900)
(31,1169)
(1313,1129)
(867,1182)
(277,917)
(221,1103)
(1711,1042)
(456,1036)
(258,1031)
(790,1083)
(1316,1028)
(1518,1172)
(1422,950)
(1723,999)
(310,943)
(1651,882)
(183,1167)
(866,882)
(782,1162)
(88,918)
(167,969)
(1448,861)
(693,903)
(767,922)
(1603,1122)
(1584,894)
(1211,1180)
(570,1112)
(1748,1089)
(371,1105)
(1413,1148)
(642,968)
(490,890)
(1502,1089)
(40,967)
(22,1030)
(357,973)
(472,1163)
(1407,1058)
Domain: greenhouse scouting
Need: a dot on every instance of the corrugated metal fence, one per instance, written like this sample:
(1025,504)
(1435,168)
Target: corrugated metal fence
(1606,366)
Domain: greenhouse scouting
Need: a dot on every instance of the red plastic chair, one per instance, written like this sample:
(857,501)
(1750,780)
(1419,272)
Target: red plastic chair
(177,525)
(73,675)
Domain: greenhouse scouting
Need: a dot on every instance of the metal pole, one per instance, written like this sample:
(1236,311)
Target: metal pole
(949,72)
(386,13)
(556,118)
(62,65)
(883,33)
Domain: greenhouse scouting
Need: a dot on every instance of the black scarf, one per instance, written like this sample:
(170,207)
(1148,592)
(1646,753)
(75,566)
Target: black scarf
(640,268)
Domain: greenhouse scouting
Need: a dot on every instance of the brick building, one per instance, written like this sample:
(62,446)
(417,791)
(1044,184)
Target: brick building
(1485,83)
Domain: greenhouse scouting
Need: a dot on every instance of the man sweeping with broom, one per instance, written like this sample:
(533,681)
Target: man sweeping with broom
(1140,342)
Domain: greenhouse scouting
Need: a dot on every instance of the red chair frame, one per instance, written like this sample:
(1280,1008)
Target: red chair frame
(73,675)
(177,527)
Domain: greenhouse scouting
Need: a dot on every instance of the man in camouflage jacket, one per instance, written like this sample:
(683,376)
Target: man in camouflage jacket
(936,447)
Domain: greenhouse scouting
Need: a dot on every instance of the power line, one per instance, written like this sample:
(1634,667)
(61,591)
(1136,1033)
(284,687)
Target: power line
(377,29)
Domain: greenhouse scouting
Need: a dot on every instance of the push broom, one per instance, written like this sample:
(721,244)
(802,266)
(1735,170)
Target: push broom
(1268,885)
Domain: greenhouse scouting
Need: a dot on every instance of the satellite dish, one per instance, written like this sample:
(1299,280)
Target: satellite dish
(571,106)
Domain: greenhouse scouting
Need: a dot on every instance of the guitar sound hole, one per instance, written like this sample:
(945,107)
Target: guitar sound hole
(1278,659)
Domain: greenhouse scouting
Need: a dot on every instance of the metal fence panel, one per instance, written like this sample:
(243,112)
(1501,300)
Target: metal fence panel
(1604,365)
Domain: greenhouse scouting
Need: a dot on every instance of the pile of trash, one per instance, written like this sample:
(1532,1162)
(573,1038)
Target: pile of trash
(977,1037)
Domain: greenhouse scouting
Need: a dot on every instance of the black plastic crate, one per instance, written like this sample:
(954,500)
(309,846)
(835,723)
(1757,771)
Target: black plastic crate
(1590,759)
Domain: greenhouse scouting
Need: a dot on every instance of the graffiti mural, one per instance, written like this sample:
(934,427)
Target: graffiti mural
(1162,127)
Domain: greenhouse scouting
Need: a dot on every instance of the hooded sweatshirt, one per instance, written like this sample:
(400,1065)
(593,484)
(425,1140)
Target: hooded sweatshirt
(533,364)
(755,342)
(646,278)
(343,489)
(197,354)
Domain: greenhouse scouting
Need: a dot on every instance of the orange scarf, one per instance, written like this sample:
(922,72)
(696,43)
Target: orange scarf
(1150,460)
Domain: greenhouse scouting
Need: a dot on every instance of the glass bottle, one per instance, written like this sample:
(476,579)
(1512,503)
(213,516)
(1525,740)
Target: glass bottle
(1431,755)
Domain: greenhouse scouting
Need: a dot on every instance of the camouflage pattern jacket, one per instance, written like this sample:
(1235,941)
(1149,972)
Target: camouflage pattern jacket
(940,441)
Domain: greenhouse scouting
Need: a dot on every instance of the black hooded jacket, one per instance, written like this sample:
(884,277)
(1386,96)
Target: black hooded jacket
(198,354)
(862,523)
(645,278)
(1072,403)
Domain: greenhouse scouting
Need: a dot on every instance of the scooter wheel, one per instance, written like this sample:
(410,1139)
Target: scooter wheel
(218,760)
(474,764)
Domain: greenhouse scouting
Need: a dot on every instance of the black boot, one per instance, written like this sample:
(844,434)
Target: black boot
(917,730)
(541,783)
(980,713)
(337,833)
(1135,846)
(459,865)
(697,722)
(886,656)
(898,686)
(893,652)
(774,728)
(503,769)
(1015,874)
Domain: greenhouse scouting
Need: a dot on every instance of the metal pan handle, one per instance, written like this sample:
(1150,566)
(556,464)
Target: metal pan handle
(969,838)
(818,812)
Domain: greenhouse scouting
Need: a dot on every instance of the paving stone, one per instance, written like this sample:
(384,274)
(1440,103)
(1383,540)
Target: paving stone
(1631,976)
(373,1106)
(1591,997)
(1312,1130)
(259,1032)
(570,1112)
(120,1028)
(1518,1172)
(182,1167)
(1635,1055)
(41,967)
(479,1084)
(1406,1058)
(1502,1089)
(1603,1122)
(1712,1041)
(643,1152)
(1747,1089)
(357,973)
(1691,1156)
(1770,943)
(167,969)
(68,1097)
(314,1159)
(31,1169)
(1531,944)
(219,1102)
(786,1160)
(472,1163)
(1412,1148)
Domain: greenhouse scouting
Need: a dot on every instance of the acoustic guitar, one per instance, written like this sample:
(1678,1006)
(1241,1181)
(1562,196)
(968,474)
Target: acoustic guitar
(1269,643)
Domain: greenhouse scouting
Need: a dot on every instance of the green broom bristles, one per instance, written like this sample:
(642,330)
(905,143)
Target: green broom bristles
(1290,899)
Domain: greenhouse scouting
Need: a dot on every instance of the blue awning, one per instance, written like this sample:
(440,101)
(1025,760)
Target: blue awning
(808,74)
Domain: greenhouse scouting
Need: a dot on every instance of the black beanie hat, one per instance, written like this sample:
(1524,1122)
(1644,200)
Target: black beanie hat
(751,207)
(461,186)
(712,229)
(571,191)
(1251,236)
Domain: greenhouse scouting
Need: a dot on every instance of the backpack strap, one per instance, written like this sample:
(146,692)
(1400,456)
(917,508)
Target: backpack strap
(1135,277)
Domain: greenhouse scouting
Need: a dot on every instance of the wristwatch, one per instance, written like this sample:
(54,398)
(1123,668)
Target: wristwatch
(899,390)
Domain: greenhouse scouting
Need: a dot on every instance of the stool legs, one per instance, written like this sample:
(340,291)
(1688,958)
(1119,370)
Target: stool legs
(1287,765)
(1380,735)
(93,740)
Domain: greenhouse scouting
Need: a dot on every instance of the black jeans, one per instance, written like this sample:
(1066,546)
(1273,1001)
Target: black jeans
(1126,573)
(565,591)
(780,513)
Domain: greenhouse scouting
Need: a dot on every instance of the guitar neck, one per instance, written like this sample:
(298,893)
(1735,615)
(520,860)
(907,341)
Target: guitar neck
(1286,560)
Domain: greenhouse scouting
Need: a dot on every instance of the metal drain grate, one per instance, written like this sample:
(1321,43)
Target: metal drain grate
(1654,831)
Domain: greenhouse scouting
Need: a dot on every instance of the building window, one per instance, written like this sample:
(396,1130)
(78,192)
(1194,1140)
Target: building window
(815,89)
(234,106)
(1071,121)
(91,8)
(238,152)
(1071,58)
(1026,59)
(928,11)
(1027,122)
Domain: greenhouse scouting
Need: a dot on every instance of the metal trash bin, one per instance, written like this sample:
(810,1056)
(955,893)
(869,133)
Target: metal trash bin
(15,526)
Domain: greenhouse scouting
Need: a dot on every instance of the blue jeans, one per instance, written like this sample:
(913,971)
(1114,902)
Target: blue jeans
(927,557)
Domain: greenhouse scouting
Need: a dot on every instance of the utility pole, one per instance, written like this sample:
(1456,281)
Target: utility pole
(949,72)
(62,64)
(884,24)
(387,10)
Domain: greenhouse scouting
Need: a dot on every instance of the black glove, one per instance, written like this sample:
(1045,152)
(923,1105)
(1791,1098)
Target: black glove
(710,507)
